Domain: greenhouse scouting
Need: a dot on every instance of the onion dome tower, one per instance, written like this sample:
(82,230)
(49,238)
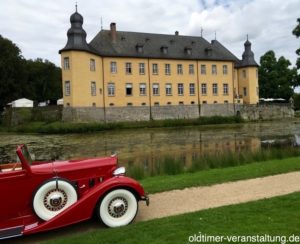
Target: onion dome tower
(76,34)
(248,55)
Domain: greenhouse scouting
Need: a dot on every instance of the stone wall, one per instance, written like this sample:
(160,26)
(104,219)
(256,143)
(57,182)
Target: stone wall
(248,112)
(207,110)
(264,111)
(127,113)
(16,116)
(175,112)
(85,114)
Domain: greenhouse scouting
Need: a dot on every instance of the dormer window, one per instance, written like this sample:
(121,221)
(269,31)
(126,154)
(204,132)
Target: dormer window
(164,49)
(188,50)
(139,48)
(208,51)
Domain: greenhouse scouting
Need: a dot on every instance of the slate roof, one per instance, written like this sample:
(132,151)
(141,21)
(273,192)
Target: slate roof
(247,57)
(148,45)
(76,35)
(126,45)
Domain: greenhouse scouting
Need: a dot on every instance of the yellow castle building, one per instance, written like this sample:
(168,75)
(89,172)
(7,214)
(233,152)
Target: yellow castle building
(124,75)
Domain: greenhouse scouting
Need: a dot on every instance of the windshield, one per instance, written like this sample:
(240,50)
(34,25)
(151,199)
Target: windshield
(26,154)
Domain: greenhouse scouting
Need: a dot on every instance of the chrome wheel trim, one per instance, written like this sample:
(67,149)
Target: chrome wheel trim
(117,207)
(55,200)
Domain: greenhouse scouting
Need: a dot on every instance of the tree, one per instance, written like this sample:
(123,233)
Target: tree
(12,71)
(296,32)
(44,80)
(37,80)
(276,79)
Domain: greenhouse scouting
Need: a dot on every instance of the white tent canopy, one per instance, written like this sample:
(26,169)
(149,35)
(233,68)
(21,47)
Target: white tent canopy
(60,101)
(21,103)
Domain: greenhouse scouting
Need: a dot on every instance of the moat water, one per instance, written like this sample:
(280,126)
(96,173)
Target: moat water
(145,147)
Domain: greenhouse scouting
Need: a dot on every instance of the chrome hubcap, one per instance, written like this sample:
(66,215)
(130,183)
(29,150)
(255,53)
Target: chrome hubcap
(117,207)
(55,200)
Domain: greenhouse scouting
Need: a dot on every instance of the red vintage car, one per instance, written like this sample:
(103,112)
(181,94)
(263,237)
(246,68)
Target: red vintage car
(39,196)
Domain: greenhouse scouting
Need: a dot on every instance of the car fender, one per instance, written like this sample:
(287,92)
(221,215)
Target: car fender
(83,209)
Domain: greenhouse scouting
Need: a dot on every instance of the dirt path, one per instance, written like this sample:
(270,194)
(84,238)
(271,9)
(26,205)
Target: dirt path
(198,198)
(191,200)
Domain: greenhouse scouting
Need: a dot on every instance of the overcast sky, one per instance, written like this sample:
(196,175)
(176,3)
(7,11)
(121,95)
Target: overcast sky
(39,27)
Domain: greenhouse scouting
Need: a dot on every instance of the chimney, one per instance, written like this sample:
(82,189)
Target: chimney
(113,32)
(176,33)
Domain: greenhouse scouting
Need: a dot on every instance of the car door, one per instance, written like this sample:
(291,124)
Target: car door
(15,187)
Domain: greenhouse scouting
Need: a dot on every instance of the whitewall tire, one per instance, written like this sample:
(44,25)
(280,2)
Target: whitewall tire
(53,197)
(118,208)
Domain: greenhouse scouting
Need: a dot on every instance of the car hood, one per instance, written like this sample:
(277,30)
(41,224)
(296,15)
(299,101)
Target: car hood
(74,165)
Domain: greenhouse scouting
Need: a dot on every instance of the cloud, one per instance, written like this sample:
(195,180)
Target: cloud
(268,24)
(39,27)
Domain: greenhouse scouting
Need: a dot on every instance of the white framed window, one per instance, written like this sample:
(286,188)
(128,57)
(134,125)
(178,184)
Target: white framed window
(92,64)
(244,73)
(113,67)
(155,89)
(142,68)
(225,89)
(203,89)
(245,91)
(179,69)
(191,69)
(155,69)
(180,89)
(128,68)
(203,69)
(67,88)
(225,69)
(93,88)
(167,69)
(215,88)
(66,63)
(214,69)
(128,89)
(142,89)
(169,89)
(192,89)
(111,89)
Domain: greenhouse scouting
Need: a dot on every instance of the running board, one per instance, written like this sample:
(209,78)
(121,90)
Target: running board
(11,232)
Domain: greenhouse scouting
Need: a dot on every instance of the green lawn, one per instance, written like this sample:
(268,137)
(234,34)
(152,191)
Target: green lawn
(214,176)
(59,127)
(275,217)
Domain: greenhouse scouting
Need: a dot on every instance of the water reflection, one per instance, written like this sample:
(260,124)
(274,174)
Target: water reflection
(147,147)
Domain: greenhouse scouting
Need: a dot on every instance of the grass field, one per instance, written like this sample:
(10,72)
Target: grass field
(214,176)
(277,216)
(63,128)
(169,165)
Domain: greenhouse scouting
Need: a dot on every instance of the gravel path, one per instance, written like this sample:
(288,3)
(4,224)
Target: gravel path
(191,200)
(198,198)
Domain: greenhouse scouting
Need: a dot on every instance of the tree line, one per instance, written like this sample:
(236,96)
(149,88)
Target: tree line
(38,80)
(277,79)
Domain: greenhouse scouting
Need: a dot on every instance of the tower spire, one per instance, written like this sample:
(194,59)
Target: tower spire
(76,34)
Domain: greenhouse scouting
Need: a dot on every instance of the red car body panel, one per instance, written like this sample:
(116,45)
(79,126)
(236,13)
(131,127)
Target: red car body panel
(92,179)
